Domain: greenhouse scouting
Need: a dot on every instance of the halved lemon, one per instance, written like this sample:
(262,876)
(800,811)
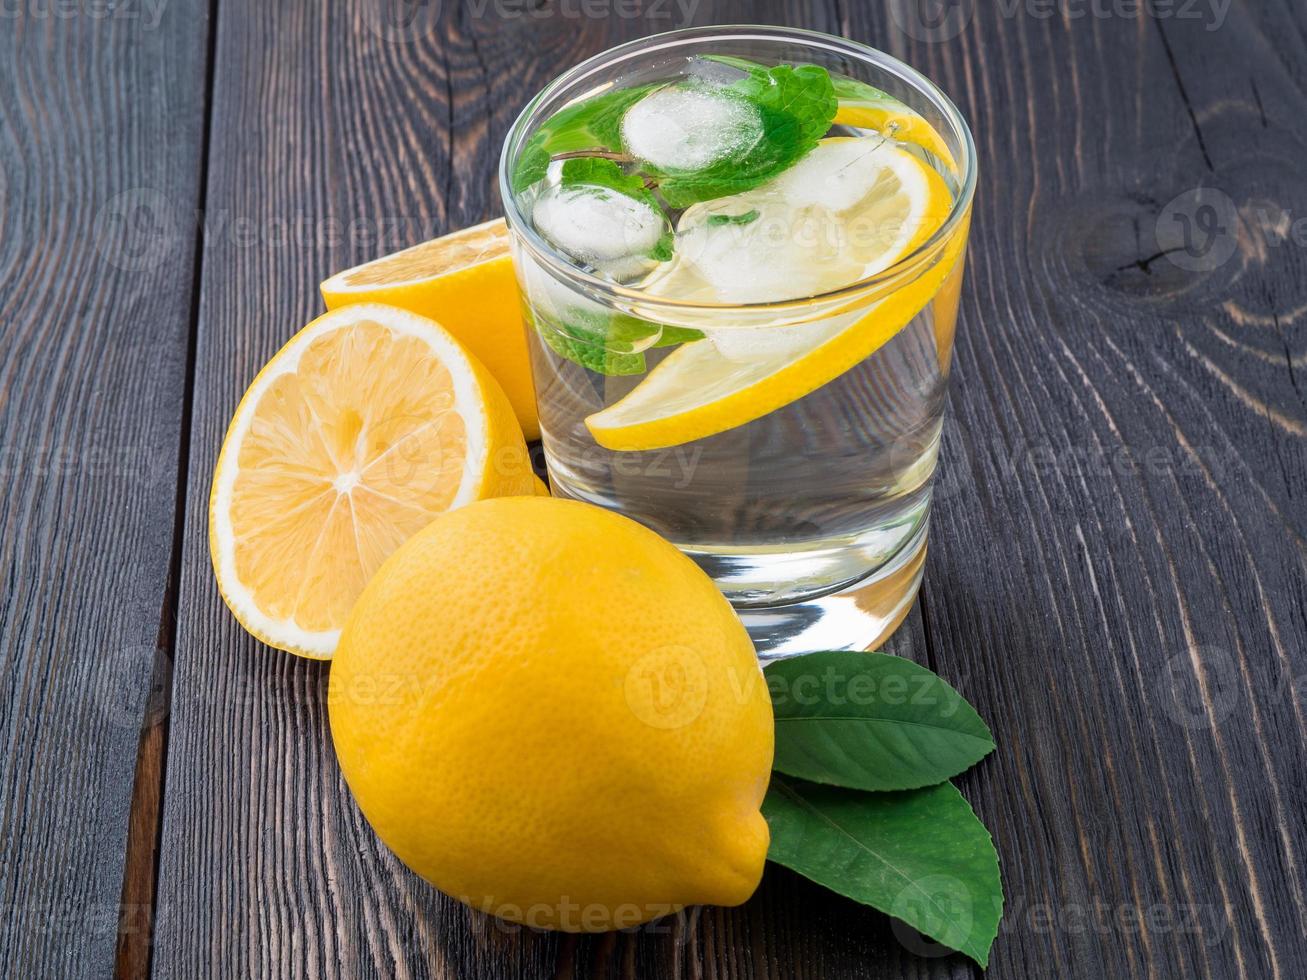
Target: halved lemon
(369,423)
(736,375)
(464,281)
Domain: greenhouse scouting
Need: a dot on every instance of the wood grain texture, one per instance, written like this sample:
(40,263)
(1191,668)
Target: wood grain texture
(1116,573)
(1117,568)
(267,868)
(100,155)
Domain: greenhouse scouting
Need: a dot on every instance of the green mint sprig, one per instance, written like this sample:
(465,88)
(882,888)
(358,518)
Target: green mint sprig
(796,107)
(606,343)
(715,220)
(847,723)
(595,123)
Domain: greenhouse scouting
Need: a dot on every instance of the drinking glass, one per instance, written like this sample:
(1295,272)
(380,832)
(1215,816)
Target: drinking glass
(811,518)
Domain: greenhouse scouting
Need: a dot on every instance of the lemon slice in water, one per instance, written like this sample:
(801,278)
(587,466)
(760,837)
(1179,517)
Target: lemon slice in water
(851,208)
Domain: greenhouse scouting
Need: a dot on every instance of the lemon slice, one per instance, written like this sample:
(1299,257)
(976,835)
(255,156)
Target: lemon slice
(866,107)
(737,375)
(366,426)
(464,281)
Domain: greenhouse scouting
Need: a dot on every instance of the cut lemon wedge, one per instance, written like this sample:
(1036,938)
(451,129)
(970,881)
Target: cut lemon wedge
(366,426)
(736,375)
(464,281)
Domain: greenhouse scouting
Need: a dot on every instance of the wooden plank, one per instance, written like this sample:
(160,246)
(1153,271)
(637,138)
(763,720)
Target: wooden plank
(267,869)
(101,120)
(1117,566)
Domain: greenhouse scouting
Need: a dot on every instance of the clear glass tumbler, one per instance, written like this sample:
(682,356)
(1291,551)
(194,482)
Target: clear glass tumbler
(793,458)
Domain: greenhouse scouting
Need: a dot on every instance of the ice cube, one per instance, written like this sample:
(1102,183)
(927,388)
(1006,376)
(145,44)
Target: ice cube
(784,253)
(713,72)
(838,175)
(596,226)
(689,126)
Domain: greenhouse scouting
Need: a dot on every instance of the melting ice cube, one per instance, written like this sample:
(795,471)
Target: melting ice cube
(838,175)
(599,227)
(689,126)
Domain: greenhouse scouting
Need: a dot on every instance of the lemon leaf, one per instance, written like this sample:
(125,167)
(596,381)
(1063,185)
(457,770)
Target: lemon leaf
(871,721)
(921,856)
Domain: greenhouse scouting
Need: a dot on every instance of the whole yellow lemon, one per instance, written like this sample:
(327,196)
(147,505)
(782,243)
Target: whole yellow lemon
(551,714)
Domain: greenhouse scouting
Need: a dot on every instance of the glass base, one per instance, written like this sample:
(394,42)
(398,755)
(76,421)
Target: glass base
(859,616)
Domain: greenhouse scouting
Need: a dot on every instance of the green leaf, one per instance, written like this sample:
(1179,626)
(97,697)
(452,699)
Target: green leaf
(851,90)
(732,219)
(846,89)
(671,336)
(606,344)
(796,106)
(921,856)
(581,344)
(871,721)
(593,123)
(599,172)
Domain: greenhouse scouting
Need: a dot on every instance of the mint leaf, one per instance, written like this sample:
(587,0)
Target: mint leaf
(671,336)
(588,344)
(595,123)
(715,220)
(921,856)
(606,344)
(871,721)
(796,106)
(851,90)
(846,89)
(599,172)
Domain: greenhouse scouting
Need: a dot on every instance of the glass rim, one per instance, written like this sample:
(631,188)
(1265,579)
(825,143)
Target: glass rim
(559,266)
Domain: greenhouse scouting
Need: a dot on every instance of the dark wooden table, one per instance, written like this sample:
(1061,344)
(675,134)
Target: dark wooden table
(1116,573)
